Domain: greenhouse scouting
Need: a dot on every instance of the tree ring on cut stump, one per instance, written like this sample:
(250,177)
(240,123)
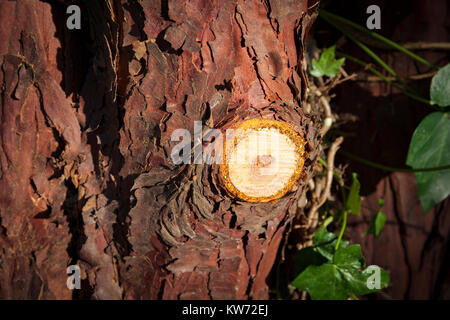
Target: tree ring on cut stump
(262,159)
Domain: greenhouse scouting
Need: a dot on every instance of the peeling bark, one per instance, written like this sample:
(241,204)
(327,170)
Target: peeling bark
(86,120)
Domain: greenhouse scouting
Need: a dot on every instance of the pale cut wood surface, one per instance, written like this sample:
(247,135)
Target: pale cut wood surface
(263,162)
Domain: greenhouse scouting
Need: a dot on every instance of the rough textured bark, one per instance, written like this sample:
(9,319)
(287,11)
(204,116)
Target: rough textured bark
(86,120)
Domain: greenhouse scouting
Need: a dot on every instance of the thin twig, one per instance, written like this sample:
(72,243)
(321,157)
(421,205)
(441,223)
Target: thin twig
(314,5)
(330,168)
(370,78)
(303,295)
(344,73)
(407,45)
(427,45)
(328,121)
(348,77)
(333,82)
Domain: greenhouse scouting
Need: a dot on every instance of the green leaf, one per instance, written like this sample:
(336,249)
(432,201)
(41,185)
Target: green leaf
(353,203)
(322,283)
(365,282)
(350,257)
(440,87)
(429,148)
(342,277)
(306,257)
(327,65)
(325,243)
(321,252)
(322,236)
(377,224)
(349,261)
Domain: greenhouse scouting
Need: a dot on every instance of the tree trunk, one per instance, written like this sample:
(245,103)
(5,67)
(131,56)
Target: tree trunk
(87,116)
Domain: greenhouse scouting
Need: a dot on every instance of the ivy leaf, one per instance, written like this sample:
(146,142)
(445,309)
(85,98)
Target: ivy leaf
(429,148)
(370,280)
(325,243)
(306,257)
(353,203)
(440,87)
(350,257)
(377,224)
(320,252)
(327,65)
(322,282)
(323,236)
(342,277)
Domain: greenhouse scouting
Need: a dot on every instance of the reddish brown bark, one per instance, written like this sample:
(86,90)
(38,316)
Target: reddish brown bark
(85,171)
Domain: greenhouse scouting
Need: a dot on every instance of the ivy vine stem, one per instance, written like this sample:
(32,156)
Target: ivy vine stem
(341,233)
(326,222)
